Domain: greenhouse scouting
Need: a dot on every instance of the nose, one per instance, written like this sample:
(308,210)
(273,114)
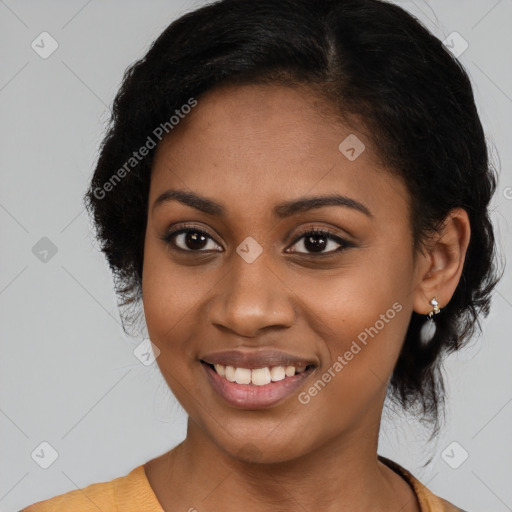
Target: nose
(250,298)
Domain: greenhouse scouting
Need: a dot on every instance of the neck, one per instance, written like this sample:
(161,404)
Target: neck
(342,475)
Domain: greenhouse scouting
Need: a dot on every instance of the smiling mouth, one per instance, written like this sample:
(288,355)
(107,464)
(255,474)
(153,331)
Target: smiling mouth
(258,376)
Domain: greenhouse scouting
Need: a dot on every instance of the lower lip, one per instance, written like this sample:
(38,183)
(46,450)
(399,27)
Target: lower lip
(250,396)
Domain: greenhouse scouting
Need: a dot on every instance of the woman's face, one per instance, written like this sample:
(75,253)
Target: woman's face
(246,289)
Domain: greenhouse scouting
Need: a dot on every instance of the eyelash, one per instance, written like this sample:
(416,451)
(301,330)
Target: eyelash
(344,244)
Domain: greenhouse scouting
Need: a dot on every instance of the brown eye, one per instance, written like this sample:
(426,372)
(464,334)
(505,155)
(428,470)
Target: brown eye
(317,240)
(191,240)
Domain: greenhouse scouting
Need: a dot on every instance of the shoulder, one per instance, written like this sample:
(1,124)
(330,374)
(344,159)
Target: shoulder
(126,493)
(93,497)
(426,499)
(449,507)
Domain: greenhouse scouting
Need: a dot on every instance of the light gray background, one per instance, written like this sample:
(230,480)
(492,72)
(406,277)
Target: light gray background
(68,373)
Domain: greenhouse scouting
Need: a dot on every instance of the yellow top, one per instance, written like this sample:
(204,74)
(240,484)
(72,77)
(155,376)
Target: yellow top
(133,493)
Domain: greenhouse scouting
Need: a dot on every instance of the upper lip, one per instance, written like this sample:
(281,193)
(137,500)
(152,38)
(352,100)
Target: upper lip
(256,358)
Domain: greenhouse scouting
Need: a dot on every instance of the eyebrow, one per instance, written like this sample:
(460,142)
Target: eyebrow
(282,210)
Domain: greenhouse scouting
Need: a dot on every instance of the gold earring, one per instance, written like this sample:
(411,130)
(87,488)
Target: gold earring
(435,305)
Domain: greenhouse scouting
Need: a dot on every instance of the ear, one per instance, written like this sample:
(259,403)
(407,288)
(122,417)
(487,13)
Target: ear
(440,267)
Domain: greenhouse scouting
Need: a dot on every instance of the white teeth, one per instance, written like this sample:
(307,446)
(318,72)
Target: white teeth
(243,376)
(257,376)
(220,369)
(261,376)
(230,373)
(277,373)
(290,371)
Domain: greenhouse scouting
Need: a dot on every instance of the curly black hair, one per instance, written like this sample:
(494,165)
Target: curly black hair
(384,72)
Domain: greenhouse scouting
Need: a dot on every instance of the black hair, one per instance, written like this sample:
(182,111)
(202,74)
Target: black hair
(384,72)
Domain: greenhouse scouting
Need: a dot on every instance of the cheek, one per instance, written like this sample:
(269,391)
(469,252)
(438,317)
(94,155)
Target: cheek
(360,352)
(361,316)
(168,300)
(169,294)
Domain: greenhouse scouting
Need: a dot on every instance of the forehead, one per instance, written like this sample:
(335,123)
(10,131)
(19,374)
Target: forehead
(260,144)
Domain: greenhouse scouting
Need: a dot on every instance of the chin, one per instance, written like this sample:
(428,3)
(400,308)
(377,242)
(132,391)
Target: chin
(261,448)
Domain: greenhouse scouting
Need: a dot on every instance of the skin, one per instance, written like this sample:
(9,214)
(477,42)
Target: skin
(250,148)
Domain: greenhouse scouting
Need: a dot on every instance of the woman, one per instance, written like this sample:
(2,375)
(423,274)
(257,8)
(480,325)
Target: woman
(297,193)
